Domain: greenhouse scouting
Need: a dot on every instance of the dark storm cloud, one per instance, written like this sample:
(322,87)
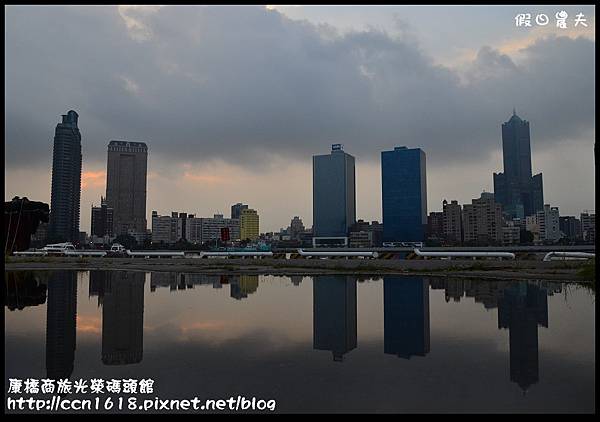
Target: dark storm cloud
(199,83)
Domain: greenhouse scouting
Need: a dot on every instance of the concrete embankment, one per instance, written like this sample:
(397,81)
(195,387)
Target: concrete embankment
(481,269)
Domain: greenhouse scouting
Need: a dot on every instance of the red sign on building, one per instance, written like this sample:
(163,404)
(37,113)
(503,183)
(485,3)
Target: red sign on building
(224,234)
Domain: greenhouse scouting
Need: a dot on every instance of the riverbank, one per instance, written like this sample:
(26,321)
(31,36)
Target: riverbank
(564,271)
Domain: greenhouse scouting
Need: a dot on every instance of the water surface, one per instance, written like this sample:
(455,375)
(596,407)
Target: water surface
(333,343)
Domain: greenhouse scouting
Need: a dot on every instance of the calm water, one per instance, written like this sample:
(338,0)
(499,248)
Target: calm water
(322,343)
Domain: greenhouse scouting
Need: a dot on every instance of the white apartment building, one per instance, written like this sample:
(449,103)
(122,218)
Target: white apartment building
(549,224)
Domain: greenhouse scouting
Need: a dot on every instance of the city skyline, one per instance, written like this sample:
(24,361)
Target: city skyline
(205,167)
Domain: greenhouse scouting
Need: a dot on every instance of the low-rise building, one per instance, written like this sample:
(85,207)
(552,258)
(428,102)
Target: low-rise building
(201,230)
(164,228)
(375,228)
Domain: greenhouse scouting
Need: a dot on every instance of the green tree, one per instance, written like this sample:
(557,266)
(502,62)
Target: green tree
(127,240)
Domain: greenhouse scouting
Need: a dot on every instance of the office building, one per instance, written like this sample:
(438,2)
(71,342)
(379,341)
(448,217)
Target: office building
(435,225)
(236,210)
(482,221)
(365,235)
(249,224)
(511,233)
(549,224)
(164,228)
(66,181)
(102,219)
(126,186)
(452,222)
(201,229)
(334,194)
(519,193)
(404,195)
(532,226)
(570,227)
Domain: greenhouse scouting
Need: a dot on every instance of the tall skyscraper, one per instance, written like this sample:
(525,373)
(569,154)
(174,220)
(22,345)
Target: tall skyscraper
(520,193)
(404,195)
(334,193)
(126,185)
(334,314)
(66,181)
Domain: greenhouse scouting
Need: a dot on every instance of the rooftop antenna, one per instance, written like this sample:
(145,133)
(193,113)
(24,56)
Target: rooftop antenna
(514,111)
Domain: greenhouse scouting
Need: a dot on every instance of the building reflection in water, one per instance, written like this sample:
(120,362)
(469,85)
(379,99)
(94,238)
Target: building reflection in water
(240,285)
(334,314)
(243,286)
(121,295)
(406,316)
(61,324)
(523,307)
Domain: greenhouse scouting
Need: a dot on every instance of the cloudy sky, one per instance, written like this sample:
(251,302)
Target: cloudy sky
(234,101)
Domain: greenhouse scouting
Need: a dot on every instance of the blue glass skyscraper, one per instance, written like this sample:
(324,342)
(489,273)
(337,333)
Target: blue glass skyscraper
(404,195)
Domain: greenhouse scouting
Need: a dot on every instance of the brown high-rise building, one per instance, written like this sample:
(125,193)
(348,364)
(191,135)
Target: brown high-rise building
(452,222)
(126,186)
(482,220)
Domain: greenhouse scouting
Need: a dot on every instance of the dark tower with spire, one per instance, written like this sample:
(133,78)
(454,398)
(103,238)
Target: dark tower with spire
(520,193)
